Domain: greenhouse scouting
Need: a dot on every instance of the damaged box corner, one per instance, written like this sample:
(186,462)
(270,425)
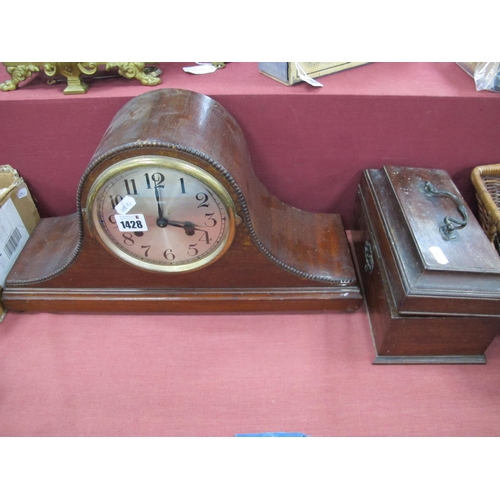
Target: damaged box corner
(18,218)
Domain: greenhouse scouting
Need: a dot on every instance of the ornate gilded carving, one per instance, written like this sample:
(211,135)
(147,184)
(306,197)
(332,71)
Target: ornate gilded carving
(88,68)
(134,70)
(19,74)
(73,74)
(73,71)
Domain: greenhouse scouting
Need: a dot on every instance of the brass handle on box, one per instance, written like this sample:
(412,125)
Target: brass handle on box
(451,225)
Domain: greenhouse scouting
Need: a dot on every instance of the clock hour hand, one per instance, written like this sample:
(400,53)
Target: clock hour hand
(189,227)
(161,221)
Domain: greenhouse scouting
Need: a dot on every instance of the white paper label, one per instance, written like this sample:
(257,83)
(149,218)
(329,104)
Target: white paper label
(22,193)
(131,223)
(439,255)
(125,205)
(201,69)
(13,237)
(305,77)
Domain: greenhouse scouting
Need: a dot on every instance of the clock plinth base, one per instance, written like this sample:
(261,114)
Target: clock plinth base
(29,287)
(172,301)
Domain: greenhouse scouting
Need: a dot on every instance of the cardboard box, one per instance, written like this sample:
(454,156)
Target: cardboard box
(288,72)
(18,218)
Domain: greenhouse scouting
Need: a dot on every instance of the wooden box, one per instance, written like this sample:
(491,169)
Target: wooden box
(431,278)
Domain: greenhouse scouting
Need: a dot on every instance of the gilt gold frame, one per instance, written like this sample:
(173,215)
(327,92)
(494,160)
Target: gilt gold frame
(73,72)
(161,162)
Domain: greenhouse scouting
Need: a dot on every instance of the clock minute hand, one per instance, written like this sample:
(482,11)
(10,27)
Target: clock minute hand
(161,221)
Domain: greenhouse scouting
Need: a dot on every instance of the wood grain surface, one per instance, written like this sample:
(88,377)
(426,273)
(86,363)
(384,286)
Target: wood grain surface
(281,258)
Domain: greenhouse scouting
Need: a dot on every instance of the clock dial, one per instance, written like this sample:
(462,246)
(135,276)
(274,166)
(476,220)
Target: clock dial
(162,214)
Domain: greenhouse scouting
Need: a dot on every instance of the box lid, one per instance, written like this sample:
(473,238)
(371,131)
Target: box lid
(437,258)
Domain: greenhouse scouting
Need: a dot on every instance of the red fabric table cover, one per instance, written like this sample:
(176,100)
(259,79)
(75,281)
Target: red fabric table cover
(181,375)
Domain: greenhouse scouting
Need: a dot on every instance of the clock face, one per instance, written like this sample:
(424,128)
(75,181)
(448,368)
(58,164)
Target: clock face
(161,214)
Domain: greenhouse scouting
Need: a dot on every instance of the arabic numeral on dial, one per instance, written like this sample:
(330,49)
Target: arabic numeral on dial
(127,239)
(112,219)
(205,237)
(169,255)
(210,222)
(157,178)
(193,251)
(203,197)
(130,186)
(115,200)
(183,187)
(147,247)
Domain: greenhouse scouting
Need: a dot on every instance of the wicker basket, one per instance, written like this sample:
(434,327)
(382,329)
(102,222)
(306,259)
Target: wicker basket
(486,180)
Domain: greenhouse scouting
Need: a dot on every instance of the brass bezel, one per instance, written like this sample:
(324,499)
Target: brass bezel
(169,163)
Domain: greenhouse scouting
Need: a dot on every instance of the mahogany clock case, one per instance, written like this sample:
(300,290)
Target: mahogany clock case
(432,297)
(281,258)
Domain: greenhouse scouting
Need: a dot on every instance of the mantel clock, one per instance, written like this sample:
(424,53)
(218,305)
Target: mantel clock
(172,218)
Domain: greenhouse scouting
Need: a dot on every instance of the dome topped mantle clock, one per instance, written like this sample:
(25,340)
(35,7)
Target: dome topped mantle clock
(172,218)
